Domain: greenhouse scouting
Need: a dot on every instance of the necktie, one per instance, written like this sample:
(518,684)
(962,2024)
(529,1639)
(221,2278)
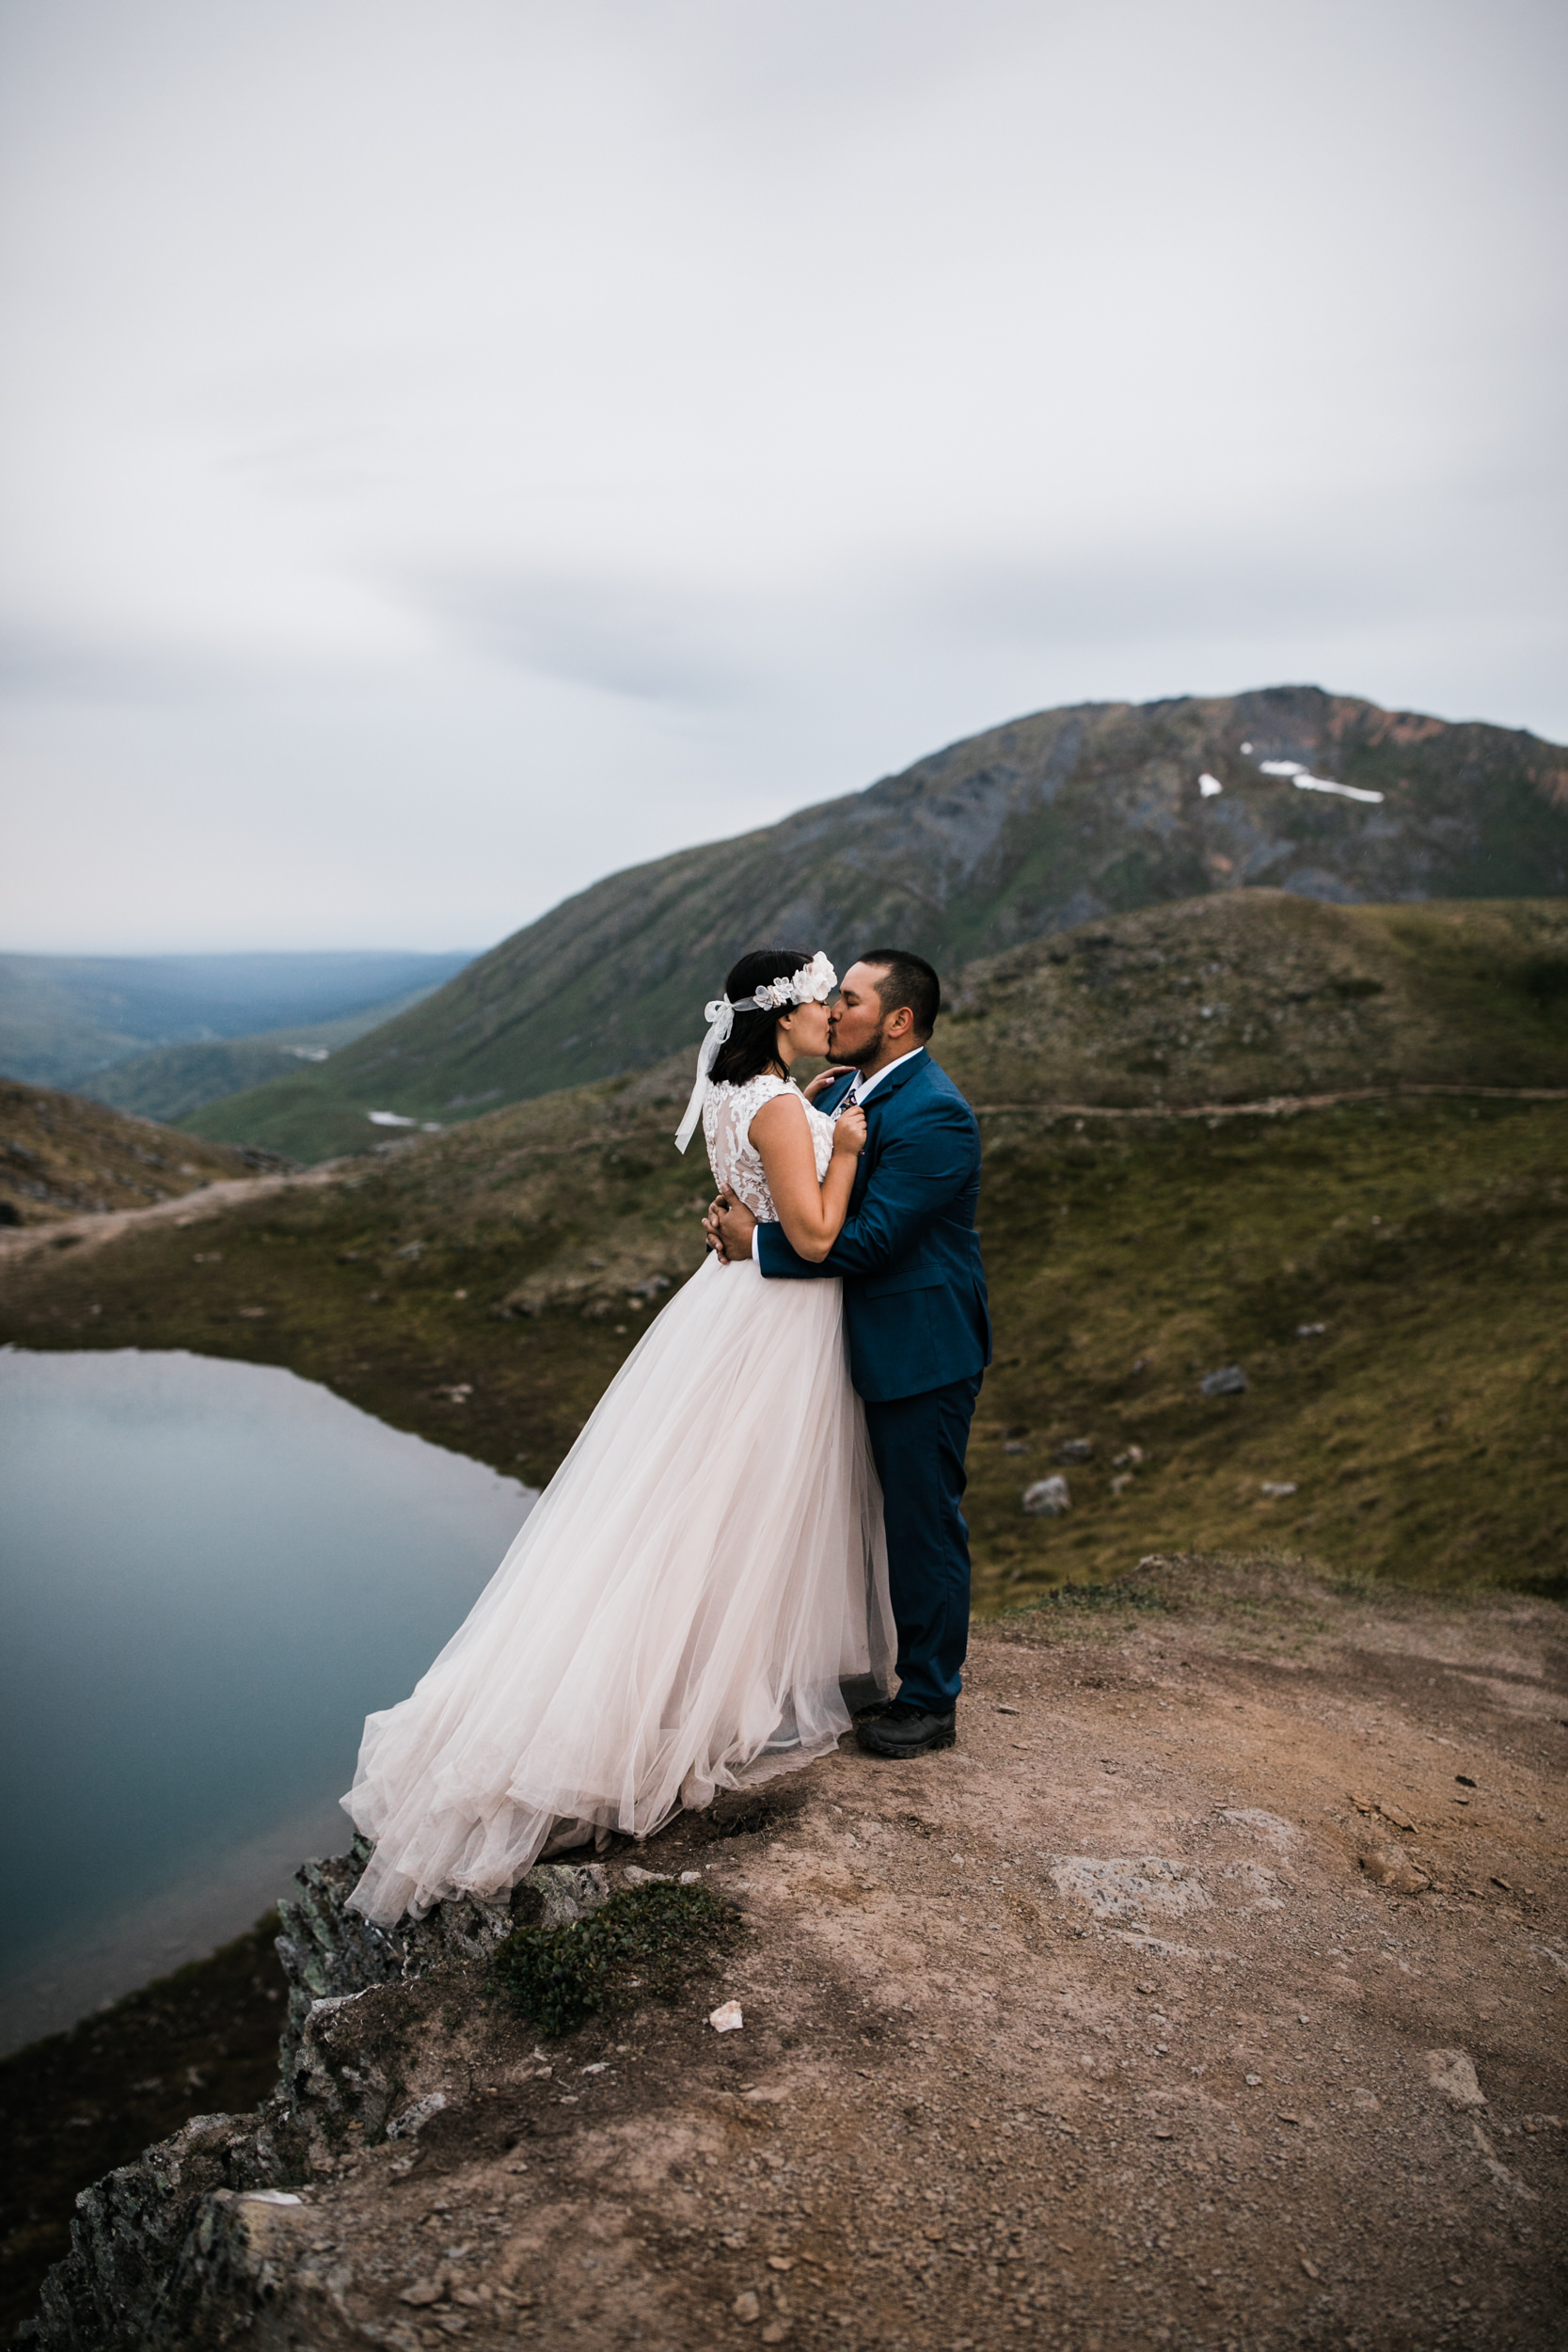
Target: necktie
(852,1097)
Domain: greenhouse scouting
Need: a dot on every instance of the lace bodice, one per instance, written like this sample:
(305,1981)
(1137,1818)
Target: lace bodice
(727,1117)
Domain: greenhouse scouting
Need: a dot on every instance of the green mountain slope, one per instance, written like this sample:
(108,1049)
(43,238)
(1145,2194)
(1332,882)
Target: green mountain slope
(1023,832)
(1229,998)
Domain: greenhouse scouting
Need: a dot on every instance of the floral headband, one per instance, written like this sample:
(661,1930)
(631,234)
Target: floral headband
(813,984)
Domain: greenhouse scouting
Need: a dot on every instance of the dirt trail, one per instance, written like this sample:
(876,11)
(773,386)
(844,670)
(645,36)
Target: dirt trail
(189,1208)
(1277,1106)
(1098,2030)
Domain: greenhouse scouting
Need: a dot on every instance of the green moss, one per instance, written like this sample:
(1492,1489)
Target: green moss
(647,1940)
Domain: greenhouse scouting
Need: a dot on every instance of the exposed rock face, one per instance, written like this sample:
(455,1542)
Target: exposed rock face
(126,2283)
(172,2251)
(331,1953)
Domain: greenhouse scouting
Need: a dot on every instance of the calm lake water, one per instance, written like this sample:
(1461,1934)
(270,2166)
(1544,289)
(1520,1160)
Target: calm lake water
(212,1573)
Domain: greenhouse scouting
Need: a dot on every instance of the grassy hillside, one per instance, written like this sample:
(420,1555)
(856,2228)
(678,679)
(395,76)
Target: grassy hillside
(1026,831)
(312,1114)
(1233,999)
(61,1155)
(481,1286)
(1225,998)
(1381,1276)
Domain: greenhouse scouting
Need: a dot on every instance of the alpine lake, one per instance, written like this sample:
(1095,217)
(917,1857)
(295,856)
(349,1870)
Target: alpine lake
(212,1572)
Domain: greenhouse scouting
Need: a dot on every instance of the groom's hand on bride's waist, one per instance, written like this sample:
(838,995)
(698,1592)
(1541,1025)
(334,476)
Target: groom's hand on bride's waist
(728,1227)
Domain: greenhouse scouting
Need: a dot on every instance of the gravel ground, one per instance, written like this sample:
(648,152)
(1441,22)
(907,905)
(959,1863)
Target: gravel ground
(1210,1992)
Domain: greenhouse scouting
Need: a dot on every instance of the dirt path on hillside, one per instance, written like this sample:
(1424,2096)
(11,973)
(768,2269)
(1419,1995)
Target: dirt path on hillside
(97,1227)
(189,1208)
(1276,1105)
(1132,2021)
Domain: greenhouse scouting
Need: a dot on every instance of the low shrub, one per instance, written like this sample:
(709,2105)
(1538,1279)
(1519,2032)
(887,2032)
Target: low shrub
(1087,1597)
(645,1940)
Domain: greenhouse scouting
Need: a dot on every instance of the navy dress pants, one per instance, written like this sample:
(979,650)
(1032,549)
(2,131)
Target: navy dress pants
(918,1444)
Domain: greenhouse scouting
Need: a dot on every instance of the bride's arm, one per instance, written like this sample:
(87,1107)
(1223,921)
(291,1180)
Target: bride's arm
(810,1213)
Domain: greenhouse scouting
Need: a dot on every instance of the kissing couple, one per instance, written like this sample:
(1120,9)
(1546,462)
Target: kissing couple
(761,1517)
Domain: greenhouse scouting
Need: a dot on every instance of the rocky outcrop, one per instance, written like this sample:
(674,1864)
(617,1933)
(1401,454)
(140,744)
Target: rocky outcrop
(172,2252)
(331,1953)
(343,2074)
(129,2241)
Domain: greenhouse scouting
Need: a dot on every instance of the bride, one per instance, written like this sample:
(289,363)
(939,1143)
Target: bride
(706,1566)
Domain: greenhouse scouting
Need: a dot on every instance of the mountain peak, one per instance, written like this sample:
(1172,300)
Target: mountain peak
(1050,820)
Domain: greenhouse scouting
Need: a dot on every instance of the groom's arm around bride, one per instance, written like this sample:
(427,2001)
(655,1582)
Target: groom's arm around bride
(915,1314)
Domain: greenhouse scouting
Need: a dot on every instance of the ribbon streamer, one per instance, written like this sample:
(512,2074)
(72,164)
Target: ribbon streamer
(720,1017)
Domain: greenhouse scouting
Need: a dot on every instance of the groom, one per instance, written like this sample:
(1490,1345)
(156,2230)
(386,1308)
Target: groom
(914,1307)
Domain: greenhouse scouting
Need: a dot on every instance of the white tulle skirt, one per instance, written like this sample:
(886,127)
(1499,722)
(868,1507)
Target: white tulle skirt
(704,1571)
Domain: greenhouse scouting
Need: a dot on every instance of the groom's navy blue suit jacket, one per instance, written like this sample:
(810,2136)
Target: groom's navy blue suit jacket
(914,1290)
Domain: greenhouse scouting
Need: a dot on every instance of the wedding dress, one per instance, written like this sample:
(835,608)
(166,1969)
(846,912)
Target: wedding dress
(679,1611)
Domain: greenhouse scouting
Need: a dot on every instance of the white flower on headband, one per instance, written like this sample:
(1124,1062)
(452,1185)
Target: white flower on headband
(813,984)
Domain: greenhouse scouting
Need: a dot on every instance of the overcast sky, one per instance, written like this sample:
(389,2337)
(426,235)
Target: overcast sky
(456,448)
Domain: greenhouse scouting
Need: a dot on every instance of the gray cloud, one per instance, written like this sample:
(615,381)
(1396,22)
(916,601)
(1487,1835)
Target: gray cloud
(450,453)
(644,638)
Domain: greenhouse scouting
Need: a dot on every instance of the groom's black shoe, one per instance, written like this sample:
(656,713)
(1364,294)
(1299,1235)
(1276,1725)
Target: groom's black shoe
(901,1730)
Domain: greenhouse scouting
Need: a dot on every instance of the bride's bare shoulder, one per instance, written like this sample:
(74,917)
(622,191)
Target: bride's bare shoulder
(778,1110)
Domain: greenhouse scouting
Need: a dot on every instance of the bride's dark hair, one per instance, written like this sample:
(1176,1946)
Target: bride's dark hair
(751,1045)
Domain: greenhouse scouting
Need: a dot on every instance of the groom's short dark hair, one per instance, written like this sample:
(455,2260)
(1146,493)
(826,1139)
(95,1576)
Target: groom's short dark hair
(907,979)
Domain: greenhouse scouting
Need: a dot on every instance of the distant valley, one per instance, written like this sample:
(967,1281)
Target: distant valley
(172,1081)
(65,1021)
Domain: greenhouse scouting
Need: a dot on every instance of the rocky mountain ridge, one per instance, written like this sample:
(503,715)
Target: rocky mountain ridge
(1256,994)
(1024,830)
